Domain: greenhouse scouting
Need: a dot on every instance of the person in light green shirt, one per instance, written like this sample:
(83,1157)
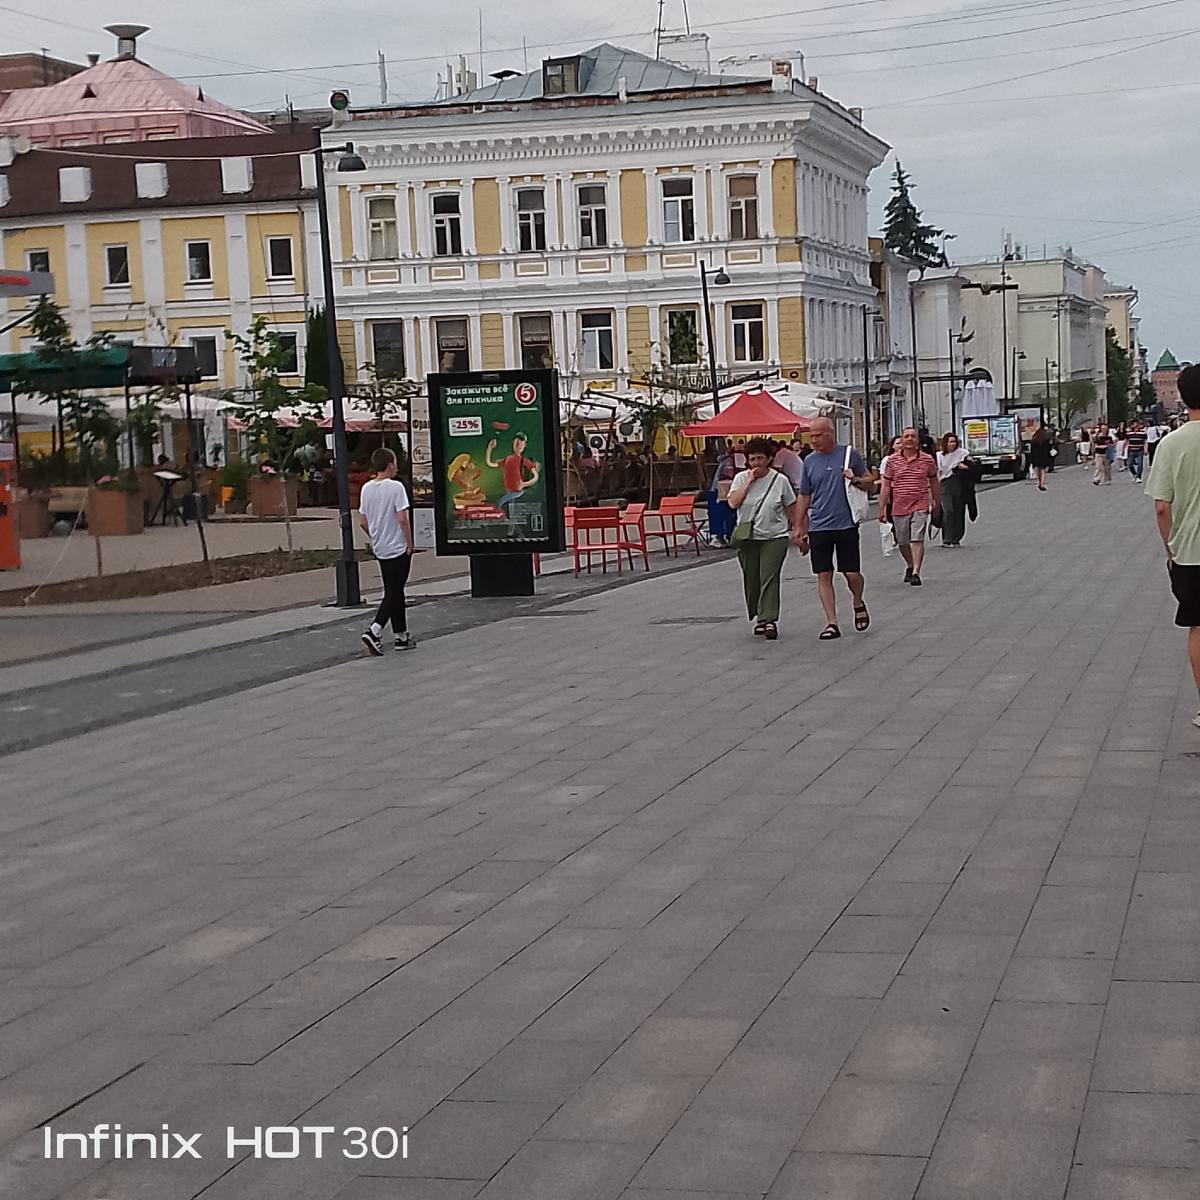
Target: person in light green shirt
(1174,485)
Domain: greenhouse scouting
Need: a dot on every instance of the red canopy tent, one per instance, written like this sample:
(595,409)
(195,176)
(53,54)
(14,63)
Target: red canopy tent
(751,412)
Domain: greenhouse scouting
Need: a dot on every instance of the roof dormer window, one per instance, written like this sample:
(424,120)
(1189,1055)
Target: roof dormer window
(562,76)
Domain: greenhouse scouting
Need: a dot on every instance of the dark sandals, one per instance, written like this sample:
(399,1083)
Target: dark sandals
(770,632)
(862,618)
(830,632)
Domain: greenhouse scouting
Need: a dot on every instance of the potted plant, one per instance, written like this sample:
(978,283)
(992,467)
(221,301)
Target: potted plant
(268,493)
(235,485)
(279,420)
(114,505)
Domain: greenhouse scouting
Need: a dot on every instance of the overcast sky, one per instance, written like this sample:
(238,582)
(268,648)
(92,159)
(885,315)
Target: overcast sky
(1064,122)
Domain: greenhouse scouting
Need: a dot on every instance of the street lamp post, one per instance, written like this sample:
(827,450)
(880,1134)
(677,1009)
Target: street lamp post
(1051,363)
(1017,355)
(349,594)
(720,278)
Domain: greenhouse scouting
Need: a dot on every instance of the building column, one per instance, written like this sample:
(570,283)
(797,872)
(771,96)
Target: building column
(360,239)
(612,197)
(766,200)
(154,282)
(720,333)
(466,208)
(774,354)
(508,230)
(654,214)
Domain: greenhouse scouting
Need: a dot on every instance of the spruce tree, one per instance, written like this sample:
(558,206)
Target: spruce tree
(903,230)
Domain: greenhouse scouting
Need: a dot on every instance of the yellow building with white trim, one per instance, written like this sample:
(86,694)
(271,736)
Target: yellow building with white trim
(561,218)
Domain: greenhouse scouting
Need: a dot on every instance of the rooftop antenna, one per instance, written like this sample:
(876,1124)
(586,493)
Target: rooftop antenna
(481,43)
(658,30)
(525,55)
(687,23)
(383,86)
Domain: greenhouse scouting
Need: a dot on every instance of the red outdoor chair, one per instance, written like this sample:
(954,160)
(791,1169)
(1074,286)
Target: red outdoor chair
(592,529)
(633,522)
(675,519)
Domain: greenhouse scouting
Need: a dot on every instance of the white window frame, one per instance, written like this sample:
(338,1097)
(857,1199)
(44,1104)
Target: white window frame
(187,261)
(531,233)
(743,328)
(588,213)
(109,281)
(695,315)
(375,327)
(383,232)
(438,323)
(595,346)
(29,259)
(678,211)
(548,354)
(294,334)
(216,338)
(739,207)
(450,225)
(291,253)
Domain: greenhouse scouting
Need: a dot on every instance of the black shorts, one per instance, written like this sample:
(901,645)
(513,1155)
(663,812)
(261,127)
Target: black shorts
(823,542)
(1185,587)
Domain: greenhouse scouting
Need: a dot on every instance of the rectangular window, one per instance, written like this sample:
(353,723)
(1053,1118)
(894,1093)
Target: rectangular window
(531,219)
(447,225)
(37,260)
(679,218)
(289,346)
(453,351)
(683,344)
(381,226)
(749,335)
(593,217)
(116,266)
(206,356)
(199,262)
(387,340)
(279,258)
(597,341)
(537,349)
(743,207)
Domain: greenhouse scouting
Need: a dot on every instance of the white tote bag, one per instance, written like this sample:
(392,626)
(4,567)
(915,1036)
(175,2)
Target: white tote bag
(860,502)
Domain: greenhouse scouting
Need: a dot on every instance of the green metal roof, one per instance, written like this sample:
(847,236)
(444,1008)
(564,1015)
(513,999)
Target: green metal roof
(1167,362)
(104,368)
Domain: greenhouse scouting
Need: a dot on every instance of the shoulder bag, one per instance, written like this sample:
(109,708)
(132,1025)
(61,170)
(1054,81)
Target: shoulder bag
(859,501)
(743,531)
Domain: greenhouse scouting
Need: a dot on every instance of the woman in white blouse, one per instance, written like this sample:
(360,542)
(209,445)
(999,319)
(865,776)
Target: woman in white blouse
(953,463)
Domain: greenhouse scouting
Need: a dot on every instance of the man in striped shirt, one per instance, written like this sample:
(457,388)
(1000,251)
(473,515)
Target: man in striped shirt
(1135,450)
(911,492)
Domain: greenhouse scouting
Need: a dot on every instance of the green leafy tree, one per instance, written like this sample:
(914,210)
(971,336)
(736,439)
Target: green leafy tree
(1078,399)
(61,377)
(279,420)
(316,356)
(1147,396)
(1119,367)
(904,231)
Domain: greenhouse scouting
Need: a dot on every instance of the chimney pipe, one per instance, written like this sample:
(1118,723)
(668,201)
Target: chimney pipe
(93,59)
(127,36)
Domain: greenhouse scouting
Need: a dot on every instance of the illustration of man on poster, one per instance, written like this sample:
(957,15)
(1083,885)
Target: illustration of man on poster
(514,467)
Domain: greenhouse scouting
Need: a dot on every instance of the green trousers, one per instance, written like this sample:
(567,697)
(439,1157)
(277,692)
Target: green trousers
(762,563)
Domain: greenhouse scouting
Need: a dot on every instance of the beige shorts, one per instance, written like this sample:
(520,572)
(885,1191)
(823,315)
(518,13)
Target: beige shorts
(911,528)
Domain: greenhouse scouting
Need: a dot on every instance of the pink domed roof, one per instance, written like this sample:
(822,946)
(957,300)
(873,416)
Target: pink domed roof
(124,96)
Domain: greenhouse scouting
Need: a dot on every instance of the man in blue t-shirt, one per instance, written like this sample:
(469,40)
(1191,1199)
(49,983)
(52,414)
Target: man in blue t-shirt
(825,522)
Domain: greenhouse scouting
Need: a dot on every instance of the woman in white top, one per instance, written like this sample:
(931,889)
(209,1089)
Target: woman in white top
(953,462)
(766,506)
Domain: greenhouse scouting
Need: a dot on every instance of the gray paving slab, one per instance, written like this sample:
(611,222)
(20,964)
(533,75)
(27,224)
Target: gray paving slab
(912,915)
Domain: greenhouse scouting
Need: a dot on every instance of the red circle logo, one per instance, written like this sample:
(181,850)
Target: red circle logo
(525,393)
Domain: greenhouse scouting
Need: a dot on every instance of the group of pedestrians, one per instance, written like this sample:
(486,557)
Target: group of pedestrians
(1126,448)
(821,513)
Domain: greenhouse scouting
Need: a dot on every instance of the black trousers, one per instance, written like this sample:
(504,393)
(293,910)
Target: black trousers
(391,608)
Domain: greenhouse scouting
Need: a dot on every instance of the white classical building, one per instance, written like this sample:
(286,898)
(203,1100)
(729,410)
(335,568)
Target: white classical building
(563,218)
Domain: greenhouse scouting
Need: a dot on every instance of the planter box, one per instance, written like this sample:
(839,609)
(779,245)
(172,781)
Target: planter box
(114,513)
(33,515)
(265,498)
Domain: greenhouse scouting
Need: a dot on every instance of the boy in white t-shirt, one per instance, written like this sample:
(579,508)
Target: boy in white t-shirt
(383,513)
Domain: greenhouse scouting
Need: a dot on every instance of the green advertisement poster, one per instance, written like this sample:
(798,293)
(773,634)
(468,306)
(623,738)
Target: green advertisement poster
(495,461)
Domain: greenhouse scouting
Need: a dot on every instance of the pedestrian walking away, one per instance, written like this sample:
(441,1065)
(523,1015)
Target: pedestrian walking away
(1154,434)
(766,509)
(721,518)
(912,493)
(383,513)
(954,474)
(1104,448)
(1121,446)
(827,525)
(1040,457)
(1136,451)
(1174,484)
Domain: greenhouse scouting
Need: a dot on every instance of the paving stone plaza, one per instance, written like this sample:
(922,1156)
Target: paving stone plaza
(617,902)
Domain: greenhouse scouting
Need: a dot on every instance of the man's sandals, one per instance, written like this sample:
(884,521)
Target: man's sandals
(862,618)
(830,632)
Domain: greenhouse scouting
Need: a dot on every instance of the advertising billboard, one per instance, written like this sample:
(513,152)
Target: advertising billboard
(1028,419)
(991,437)
(496,462)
